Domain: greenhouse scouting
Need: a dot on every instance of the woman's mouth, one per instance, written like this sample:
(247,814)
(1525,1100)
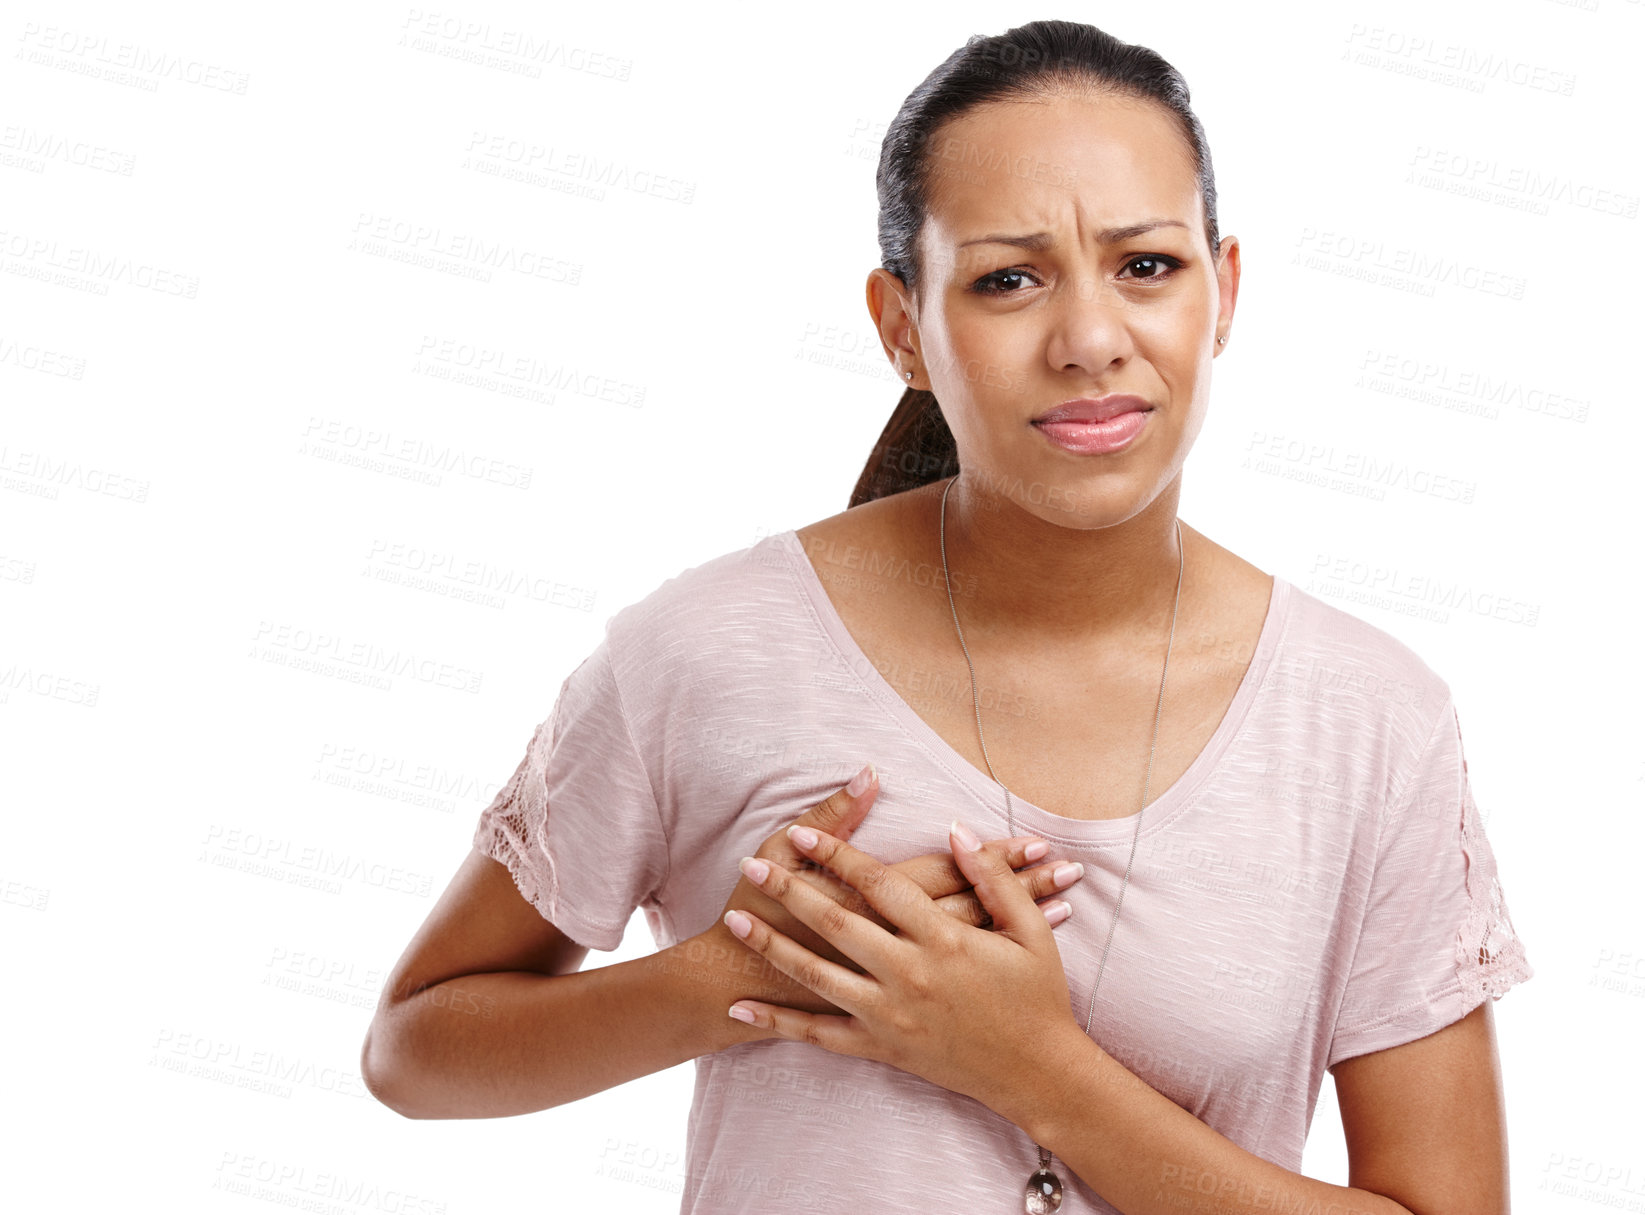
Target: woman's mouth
(1089,438)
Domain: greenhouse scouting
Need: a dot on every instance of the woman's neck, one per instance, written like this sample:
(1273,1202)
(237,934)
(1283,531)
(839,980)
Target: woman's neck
(1046,583)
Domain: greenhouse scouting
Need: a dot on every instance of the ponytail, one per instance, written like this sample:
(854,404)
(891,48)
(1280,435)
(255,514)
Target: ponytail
(915,448)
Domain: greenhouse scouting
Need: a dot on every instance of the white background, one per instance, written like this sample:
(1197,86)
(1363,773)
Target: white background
(199,541)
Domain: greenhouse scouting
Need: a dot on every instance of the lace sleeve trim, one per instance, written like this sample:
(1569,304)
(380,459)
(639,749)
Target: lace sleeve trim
(516,817)
(1489,954)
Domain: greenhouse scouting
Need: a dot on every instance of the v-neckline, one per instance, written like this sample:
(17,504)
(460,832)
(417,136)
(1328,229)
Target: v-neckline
(1031,819)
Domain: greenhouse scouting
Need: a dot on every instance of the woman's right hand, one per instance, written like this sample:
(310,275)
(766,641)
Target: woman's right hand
(935,873)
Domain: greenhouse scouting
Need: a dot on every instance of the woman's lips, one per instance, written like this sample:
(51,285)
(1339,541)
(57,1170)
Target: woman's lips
(1095,438)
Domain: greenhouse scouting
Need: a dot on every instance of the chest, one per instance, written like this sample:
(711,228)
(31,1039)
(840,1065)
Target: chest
(1071,732)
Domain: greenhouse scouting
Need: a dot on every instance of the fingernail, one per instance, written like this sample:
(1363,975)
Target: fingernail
(963,833)
(756,870)
(860,782)
(1062,875)
(738,923)
(742,1014)
(1056,913)
(1036,850)
(803,837)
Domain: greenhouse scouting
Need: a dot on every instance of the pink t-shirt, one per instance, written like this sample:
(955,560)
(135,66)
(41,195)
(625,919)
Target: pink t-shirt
(1316,885)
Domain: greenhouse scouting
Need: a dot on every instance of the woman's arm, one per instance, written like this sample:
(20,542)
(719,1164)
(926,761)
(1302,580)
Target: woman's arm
(507,1038)
(486,1014)
(1426,1122)
(1423,1123)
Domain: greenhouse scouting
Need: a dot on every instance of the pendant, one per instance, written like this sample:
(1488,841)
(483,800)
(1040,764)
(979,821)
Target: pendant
(1044,1193)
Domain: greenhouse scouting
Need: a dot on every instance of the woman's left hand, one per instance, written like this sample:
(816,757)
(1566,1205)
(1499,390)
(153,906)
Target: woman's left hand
(978,1011)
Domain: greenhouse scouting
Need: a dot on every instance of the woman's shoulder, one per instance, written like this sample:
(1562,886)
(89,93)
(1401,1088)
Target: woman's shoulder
(873,535)
(721,580)
(751,609)
(1331,655)
(717,604)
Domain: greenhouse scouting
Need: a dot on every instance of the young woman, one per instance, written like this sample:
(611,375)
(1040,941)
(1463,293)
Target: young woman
(1244,814)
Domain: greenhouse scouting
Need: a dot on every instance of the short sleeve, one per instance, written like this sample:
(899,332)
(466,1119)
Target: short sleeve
(1436,939)
(577,824)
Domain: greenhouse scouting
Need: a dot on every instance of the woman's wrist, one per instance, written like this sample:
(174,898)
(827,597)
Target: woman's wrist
(1068,1065)
(703,975)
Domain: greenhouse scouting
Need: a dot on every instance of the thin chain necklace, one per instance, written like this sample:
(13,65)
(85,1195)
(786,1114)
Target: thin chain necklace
(1044,1190)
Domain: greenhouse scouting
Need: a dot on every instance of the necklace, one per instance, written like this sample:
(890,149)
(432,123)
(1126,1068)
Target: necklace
(1043,1193)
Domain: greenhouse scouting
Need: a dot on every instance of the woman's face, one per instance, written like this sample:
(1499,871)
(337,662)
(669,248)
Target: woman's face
(1005,332)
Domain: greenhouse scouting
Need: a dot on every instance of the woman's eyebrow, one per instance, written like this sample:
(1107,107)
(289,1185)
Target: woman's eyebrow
(1040,241)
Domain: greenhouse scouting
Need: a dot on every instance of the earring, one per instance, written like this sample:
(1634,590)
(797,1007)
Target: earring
(1221,341)
(908,375)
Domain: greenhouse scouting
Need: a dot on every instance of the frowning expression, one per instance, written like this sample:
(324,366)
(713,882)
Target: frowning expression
(1064,257)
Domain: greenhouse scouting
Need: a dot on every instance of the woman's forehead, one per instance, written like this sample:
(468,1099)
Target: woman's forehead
(1068,163)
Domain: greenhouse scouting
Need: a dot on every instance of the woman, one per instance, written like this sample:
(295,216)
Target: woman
(1263,858)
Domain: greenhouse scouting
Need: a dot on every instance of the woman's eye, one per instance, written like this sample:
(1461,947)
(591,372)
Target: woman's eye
(994,284)
(1154,263)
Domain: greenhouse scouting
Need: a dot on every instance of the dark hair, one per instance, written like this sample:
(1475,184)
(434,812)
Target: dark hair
(1034,60)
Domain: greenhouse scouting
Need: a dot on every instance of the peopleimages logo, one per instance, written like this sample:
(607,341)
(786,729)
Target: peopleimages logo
(97,55)
(273,855)
(73,265)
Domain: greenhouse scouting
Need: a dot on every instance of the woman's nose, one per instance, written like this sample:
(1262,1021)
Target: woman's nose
(1091,324)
